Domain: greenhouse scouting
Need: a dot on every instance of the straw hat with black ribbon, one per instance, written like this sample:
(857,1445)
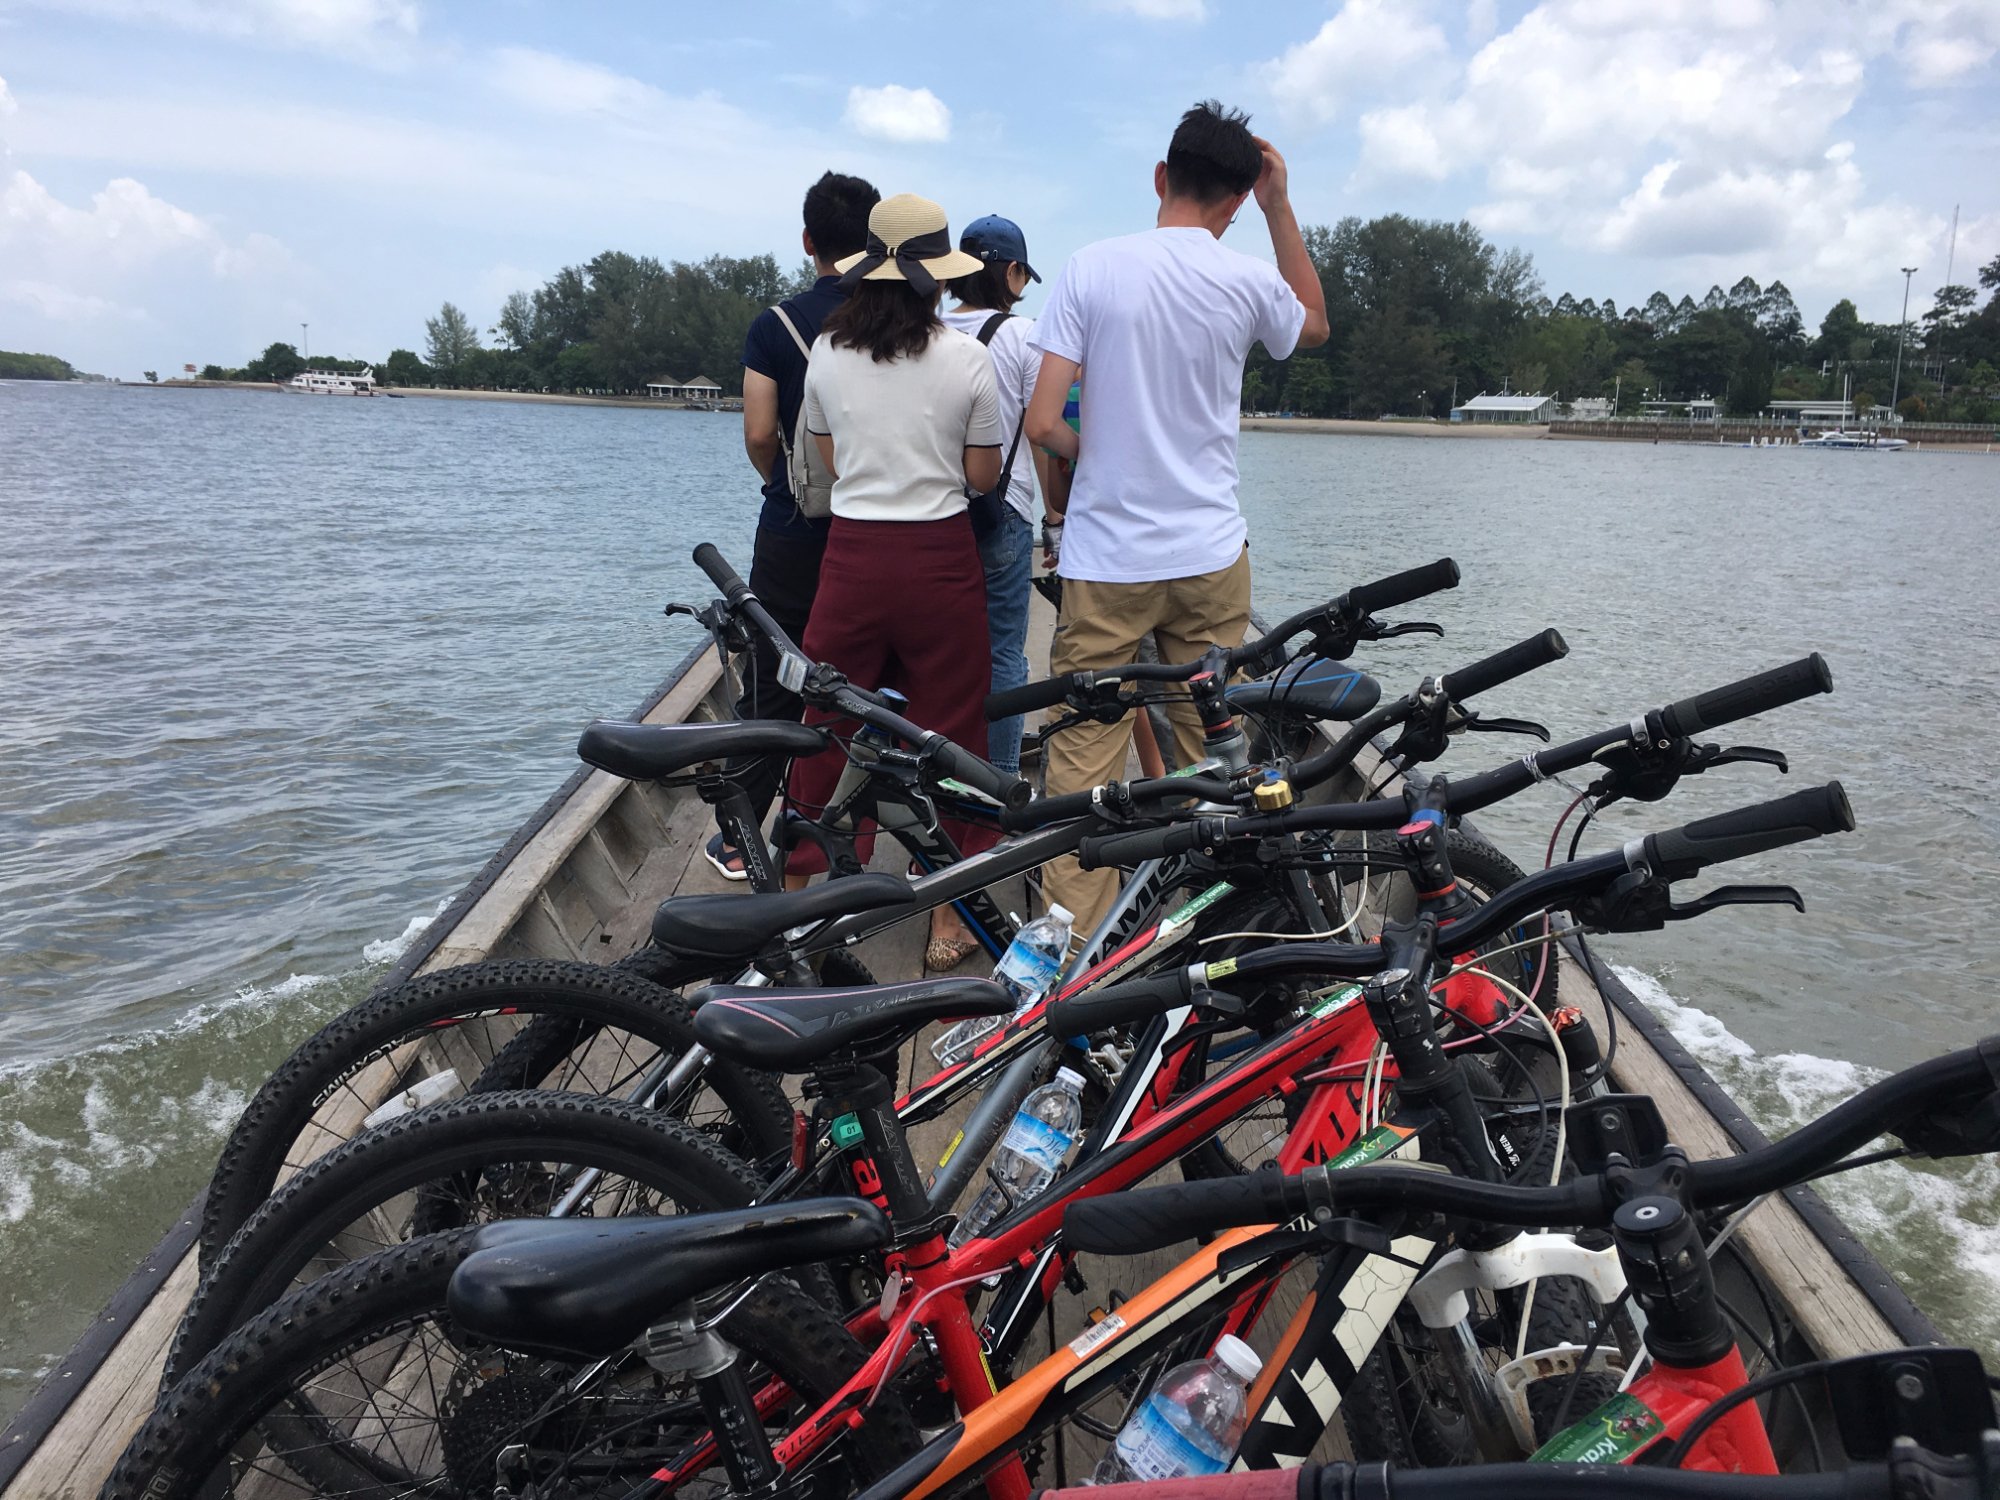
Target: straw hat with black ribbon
(908,240)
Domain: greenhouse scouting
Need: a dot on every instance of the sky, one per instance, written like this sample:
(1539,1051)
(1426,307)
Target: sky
(185,181)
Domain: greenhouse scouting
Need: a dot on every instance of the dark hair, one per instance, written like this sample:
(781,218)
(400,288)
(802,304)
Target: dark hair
(986,287)
(837,215)
(889,319)
(1212,155)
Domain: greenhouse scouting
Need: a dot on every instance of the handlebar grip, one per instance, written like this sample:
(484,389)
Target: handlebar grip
(1127,849)
(1115,1004)
(1401,588)
(1753,695)
(1044,811)
(962,765)
(1504,666)
(1134,1222)
(1675,853)
(1028,697)
(724,577)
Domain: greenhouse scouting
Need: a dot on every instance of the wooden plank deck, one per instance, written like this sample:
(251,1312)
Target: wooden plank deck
(584,884)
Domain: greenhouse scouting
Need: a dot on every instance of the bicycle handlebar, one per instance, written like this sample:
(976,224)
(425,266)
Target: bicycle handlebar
(1360,601)
(1504,666)
(1753,695)
(1402,588)
(1011,792)
(1151,1218)
(1810,814)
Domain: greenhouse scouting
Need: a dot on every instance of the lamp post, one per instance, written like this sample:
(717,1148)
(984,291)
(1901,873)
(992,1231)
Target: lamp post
(1896,387)
(305,344)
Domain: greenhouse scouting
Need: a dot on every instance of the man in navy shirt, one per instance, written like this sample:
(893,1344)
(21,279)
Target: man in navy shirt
(784,568)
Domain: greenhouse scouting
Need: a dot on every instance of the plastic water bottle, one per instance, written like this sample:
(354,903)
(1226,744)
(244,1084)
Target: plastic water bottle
(1191,1423)
(1030,1154)
(1028,970)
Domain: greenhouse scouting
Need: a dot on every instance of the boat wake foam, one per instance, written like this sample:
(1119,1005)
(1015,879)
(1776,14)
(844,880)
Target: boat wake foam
(1931,1224)
(108,1144)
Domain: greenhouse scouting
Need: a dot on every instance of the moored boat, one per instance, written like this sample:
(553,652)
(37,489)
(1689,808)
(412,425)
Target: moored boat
(330,383)
(1874,442)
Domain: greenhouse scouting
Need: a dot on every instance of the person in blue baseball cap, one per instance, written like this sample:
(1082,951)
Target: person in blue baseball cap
(983,304)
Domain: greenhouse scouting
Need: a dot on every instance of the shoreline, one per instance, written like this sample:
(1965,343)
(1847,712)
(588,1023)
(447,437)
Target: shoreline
(1353,427)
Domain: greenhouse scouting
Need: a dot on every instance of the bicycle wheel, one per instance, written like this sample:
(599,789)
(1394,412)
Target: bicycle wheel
(1405,1409)
(493,1156)
(359,1384)
(325,1092)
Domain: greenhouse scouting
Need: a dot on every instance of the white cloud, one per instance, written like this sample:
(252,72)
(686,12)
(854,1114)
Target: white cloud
(1367,49)
(895,113)
(1706,137)
(7,104)
(1159,10)
(380,32)
(562,85)
(63,259)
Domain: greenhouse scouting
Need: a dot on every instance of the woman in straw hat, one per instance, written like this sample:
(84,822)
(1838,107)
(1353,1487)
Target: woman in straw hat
(905,414)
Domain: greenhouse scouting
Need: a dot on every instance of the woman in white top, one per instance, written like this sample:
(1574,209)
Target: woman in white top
(984,302)
(904,412)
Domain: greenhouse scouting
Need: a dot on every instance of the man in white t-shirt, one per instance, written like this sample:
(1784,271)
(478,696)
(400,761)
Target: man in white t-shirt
(1156,326)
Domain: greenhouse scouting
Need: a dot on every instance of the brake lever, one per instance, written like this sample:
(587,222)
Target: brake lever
(1478,725)
(1324,1233)
(1380,632)
(1753,755)
(1641,902)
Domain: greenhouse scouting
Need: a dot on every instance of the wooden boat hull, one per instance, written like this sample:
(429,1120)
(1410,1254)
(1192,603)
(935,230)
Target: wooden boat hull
(581,878)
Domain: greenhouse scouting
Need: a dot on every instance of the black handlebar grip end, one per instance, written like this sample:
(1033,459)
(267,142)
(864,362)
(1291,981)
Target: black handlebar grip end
(1504,666)
(711,561)
(1134,1222)
(1026,698)
(1803,678)
(1401,588)
(1809,814)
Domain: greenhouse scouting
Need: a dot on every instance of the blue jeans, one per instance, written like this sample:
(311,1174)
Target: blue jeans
(1007,556)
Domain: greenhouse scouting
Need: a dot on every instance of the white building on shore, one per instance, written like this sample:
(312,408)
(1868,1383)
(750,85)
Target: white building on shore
(1508,408)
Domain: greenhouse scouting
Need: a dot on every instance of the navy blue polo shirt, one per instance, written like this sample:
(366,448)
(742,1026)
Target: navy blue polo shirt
(768,349)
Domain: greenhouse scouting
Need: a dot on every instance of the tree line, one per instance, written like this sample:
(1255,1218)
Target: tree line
(1422,308)
(17,366)
(1423,311)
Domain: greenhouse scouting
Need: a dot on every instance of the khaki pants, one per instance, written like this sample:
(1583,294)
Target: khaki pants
(1101,627)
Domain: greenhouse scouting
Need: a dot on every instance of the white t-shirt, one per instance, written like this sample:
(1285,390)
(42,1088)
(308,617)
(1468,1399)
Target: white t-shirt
(900,429)
(1161,323)
(1015,367)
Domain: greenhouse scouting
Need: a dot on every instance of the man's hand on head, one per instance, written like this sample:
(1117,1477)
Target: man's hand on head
(1272,184)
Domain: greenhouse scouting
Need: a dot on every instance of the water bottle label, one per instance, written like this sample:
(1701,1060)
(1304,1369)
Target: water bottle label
(1037,1140)
(1151,1447)
(1029,971)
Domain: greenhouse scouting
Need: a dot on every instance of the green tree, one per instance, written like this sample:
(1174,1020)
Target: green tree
(449,341)
(19,366)
(279,363)
(1838,332)
(213,372)
(1309,387)
(516,328)
(1390,360)
(152,377)
(1989,275)
(402,367)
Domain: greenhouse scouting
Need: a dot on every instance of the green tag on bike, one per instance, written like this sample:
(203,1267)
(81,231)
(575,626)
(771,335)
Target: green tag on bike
(1610,1435)
(845,1132)
(1378,1143)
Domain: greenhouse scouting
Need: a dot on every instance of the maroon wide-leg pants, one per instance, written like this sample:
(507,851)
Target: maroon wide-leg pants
(901,604)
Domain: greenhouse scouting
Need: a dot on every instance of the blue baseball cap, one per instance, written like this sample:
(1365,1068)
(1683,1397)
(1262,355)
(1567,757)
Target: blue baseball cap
(995,238)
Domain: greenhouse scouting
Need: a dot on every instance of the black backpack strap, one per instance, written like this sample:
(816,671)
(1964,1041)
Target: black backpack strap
(992,326)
